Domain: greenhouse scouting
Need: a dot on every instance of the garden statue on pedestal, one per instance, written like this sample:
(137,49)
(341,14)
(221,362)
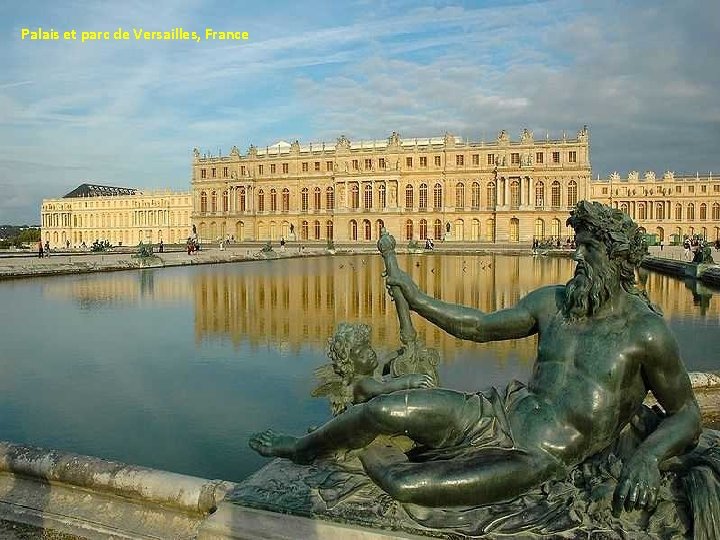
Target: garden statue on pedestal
(573,449)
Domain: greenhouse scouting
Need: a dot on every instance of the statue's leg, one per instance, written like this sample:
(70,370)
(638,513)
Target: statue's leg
(484,476)
(427,416)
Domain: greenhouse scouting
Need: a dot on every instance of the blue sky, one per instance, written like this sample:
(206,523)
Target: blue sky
(644,76)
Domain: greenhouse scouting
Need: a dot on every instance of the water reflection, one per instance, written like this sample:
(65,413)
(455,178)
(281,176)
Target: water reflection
(119,364)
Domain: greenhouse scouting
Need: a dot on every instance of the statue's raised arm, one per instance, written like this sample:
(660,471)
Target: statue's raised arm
(462,321)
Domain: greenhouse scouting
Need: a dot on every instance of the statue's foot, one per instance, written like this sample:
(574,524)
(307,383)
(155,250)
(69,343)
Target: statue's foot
(269,444)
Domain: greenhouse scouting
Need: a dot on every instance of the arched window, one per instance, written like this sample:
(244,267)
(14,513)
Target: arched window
(514,230)
(423,229)
(285,200)
(555,229)
(409,196)
(475,196)
(716,212)
(678,212)
(241,199)
(491,195)
(355,197)
(316,227)
(317,195)
(330,198)
(460,195)
(329,229)
(304,200)
(437,229)
(353,230)
(304,230)
(555,194)
(437,197)
(367,196)
(691,212)
(409,230)
(703,212)
(203,205)
(273,200)
(660,211)
(423,197)
(539,229)
(539,195)
(490,230)
(381,196)
(572,193)
(213,202)
(624,208)
(515,194)
(261,201)
(642,212)
(367,229)
(226,201)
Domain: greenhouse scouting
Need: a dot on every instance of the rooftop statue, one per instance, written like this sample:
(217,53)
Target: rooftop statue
(575,446)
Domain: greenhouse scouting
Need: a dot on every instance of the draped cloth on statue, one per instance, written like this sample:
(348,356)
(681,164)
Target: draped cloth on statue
(578,505)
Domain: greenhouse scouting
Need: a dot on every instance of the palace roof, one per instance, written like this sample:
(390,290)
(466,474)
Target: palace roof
(95,190)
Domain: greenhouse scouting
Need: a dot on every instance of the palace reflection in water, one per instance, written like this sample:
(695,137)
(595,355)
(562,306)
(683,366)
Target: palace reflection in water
(293,303)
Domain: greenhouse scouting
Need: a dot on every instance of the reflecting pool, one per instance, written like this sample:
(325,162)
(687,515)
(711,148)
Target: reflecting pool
(174,368)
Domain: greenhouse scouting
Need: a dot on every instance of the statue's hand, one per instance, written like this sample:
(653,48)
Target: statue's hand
(419,380)
(401,280)
(638,485)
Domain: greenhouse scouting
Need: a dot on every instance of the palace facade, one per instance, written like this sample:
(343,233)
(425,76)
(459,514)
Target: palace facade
(122,216)
(670,207)
(438,188)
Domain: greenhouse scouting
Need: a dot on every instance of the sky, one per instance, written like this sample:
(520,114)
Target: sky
(643,76)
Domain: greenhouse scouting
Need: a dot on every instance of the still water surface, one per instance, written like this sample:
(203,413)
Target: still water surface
(174,368)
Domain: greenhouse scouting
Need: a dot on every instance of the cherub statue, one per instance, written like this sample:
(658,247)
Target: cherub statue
(354,374)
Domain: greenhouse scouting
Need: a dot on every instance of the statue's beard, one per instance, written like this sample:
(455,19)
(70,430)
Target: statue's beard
(587,291)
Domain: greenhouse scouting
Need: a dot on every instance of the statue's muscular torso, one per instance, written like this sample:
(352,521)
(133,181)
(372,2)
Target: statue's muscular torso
(587,380)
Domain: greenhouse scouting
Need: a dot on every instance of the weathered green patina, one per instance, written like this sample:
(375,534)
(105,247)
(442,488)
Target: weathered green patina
(573,448)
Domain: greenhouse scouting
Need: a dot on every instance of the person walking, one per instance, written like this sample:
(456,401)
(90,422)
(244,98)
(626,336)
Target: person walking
(40,249)
(47,248)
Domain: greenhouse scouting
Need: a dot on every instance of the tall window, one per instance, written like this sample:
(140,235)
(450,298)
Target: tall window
(329,229)
(355,196)
(317,195)
(555,194)
(273,200)
(409,196)
(423,196)
(367,196)
(353,230)
(572,193)
(539,229)
(241,199)
(514,194)
(460,195)
(213,202)
(423,229)
(437,229)
(678,212)
(226,201)
(716,212)
(572,156)
(316,229)
(203,205)
(703,211)
(491,195)
(437,161)
(539,158)
(367,229)
(304,230)
(286,168)
(409,229)
(437,197)
(459,159)
(285,200)
(381,196)
(330,198)
(261,201)
(642,211)
(475,196)
(691,212)
(660,211)
(304,200)
(539,195)
(556,157)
